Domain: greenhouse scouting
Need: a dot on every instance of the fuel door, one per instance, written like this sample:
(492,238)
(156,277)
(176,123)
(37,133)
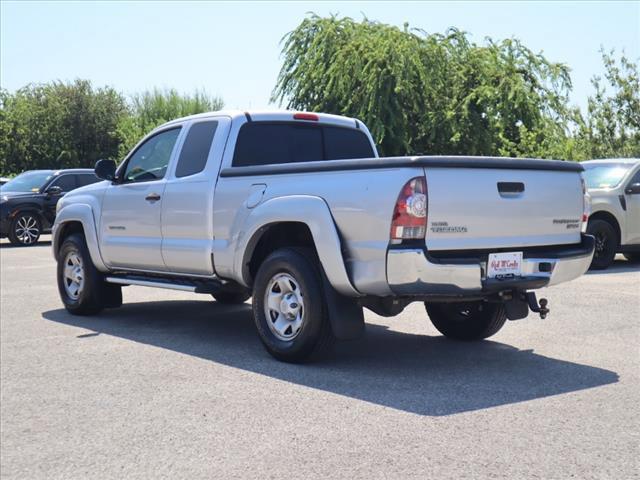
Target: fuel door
(256,192)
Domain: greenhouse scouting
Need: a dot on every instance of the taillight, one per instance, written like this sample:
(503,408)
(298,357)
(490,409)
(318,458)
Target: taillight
(409,220)
(586,206)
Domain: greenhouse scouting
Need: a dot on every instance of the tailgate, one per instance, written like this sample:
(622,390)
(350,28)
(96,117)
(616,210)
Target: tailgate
(502,208)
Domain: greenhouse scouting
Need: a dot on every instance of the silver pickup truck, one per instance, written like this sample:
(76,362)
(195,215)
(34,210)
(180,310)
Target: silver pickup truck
(297,211)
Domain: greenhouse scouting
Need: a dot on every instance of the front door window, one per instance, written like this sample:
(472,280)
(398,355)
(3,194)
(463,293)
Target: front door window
(149,162)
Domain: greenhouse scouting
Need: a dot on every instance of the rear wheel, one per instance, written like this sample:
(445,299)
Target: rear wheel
(606,243)
(82,288)
(25,229)
(467,320)
(289,306)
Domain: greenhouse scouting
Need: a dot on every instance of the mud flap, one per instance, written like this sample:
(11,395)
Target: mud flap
(112,295)
(345,314)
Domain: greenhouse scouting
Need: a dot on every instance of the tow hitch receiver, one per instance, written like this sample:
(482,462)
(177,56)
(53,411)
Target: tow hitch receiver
(533,305)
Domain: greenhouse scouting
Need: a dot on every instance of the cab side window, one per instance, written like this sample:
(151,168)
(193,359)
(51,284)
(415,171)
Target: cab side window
(195,151)
(150,160)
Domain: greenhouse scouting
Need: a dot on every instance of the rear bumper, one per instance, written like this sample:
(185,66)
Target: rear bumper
(416,272)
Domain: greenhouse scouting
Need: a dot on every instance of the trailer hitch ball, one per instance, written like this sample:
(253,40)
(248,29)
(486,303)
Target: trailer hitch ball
(541,308)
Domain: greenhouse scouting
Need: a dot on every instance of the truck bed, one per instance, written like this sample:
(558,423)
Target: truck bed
(466,210)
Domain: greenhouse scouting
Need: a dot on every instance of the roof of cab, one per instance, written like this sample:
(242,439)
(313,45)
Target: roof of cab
(631,161)
(273,116)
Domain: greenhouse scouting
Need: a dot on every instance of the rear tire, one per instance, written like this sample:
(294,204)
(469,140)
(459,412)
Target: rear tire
(82,288)
(632,257)
(231,298)
(467,321)
(289,306)
(25,229)
(606,243)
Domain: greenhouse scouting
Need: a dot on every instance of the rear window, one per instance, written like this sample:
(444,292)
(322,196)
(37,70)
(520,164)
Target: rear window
(342,143)
(194,154)
(263,143)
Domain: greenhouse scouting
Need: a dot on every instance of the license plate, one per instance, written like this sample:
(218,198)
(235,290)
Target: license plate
(504,265)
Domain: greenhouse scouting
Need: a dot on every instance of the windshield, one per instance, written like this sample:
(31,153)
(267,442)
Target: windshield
(27,182)
(605,175)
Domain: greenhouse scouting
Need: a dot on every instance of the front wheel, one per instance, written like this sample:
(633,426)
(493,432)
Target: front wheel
(467,320)
(25,229)
(82,288)
(289,306)
(633,257)
(231,298)
(606,243)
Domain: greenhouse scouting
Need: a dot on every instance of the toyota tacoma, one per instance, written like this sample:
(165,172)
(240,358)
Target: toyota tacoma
(297,211)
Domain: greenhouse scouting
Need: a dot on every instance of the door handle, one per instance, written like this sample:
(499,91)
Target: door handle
(152,197)
(510,187)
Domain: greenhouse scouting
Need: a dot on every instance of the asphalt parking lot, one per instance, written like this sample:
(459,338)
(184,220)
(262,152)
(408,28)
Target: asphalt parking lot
(173,385)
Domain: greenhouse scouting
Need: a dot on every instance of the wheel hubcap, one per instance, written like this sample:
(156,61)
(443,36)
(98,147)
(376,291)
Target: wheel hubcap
(73,275)
(284,306)
(27,230)
(601,243)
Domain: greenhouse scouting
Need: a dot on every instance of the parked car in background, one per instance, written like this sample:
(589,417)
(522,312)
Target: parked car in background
(28,201)
(298,211)
(4,180)
(614,188)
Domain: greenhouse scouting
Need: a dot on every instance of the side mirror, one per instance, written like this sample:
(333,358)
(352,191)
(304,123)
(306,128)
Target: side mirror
(105,169)
(632,189)
(54,190)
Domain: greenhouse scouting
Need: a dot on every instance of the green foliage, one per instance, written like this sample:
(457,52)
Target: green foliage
(438,94)
(612,124)
(152,108)
(443,94)
(417,92)
(58,125)
(65,125)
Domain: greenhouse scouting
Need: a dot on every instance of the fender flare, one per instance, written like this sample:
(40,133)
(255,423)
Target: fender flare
(315,214)
(30,207)
(79,212)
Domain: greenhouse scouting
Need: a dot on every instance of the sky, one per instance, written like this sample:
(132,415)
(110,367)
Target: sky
(232,49)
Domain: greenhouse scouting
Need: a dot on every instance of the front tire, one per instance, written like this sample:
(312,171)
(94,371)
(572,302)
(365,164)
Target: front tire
(632,257)
(289,306)
(82,289)
(606,243)
(25,229)
(467,321)
(231,298)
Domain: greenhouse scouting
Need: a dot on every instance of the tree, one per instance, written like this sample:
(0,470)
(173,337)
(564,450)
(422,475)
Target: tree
(58,125)
(149,109)
(427,93)
(612,124)
(65,125)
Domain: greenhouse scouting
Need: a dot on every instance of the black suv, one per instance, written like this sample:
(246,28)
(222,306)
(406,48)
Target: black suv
(28,202)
